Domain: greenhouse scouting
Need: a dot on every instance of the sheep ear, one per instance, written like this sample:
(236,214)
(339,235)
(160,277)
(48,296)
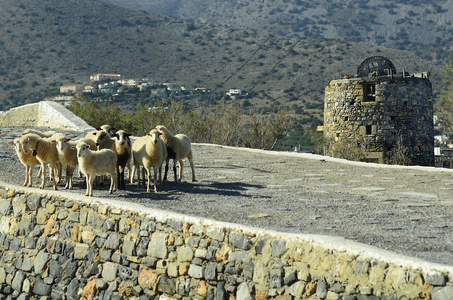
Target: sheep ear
(68,139)
(54,141)
(74,147)
(88,146)
(10,143)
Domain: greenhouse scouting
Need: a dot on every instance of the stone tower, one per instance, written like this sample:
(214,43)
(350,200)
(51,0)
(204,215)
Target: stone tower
(381,112)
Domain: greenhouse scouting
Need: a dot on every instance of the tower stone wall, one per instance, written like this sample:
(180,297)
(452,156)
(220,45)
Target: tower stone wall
(380,114)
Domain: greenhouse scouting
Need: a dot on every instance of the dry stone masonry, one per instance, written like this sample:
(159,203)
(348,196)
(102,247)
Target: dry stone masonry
(382,112)
(54,245)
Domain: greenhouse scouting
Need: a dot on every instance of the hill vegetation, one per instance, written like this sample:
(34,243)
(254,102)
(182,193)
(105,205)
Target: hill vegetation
(424,27)
(50,43)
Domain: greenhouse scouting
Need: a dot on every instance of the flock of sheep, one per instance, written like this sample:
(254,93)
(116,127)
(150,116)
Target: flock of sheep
(103,152)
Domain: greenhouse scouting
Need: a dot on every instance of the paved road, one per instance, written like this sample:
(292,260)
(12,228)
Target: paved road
(408,210)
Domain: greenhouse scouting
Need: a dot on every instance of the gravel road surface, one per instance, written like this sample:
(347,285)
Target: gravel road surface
(407,210)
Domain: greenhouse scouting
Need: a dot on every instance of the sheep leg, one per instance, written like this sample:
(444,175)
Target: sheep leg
(148,174)
(143,177)
(89,179)
(160,174)
(121,183)
(69,173)
(39,172)
(27,174)
(53,171)
(181,165)
(155,179)
(129,173)
(189,157)
(118,174)
(132,174)
(166,168)
(113,183)
(43,176)
(59,168)
(174,170)
(30,175)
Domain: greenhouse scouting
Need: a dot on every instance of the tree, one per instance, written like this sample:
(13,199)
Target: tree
(444,106)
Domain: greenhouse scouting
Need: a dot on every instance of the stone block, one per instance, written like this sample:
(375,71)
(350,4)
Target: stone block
(158,245)
(239,240)
(443,293)
(18,280)
(210,272)
(129,248)
(88,236)
(40,261)
(81,251)
(278,247)
(215,233)
(195,271)
(109,271)
(297,289)
(196,229)
(435,278)
(244,292)
(33,202)
(173,270)
(166,285)
(147,278)
(40,288)
(184,254)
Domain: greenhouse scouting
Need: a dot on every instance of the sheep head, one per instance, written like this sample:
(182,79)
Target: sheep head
(154,135)
(82,148)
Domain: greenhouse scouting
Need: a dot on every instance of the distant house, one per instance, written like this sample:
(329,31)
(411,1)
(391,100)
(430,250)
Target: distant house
(105,77)
(71,88)
(90,89)
(202,90)
(234,93)
(130,82)
(63,100)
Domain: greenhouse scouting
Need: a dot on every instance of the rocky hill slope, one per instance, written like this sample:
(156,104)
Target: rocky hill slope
(421,26)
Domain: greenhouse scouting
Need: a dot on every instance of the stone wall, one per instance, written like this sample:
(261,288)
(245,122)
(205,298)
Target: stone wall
(55,244)
(382,115)
(43,114)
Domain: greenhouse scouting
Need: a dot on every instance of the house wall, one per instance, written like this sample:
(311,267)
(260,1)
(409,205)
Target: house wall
(54,244)
(401,110)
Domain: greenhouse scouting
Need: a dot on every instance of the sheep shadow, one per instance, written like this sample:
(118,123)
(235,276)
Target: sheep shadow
(170,190)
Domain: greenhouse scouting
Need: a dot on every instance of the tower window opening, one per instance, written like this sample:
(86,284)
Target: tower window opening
(368,129)
(369,91)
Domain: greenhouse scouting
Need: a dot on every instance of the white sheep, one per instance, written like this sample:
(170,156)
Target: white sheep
(109,129)
(178,147)
(94,163)
(46,153)
(68,155)
(150,152)
(120,145)
(28,160)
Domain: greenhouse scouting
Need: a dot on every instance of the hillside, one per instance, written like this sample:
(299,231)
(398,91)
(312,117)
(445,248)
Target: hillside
(47,44)
(421,26)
